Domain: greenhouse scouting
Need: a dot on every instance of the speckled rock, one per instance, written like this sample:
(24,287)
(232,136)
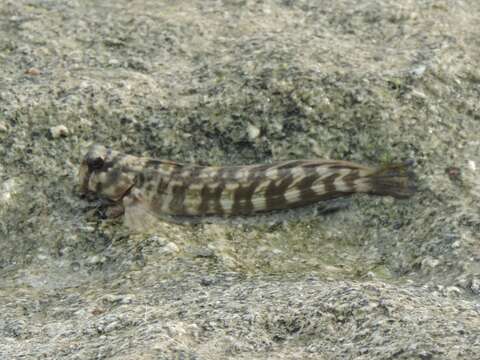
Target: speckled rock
(232,82)
(59,131)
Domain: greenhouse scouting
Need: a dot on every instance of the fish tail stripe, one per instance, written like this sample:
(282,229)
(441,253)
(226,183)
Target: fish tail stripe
(211,199)
(242,200)
(177,202)
(305,186)
(275,193)
(329,183)
(350,179)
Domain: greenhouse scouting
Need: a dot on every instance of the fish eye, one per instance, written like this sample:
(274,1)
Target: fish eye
(95,163)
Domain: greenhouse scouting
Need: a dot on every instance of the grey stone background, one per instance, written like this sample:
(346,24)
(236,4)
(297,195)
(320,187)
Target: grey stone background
(241,82)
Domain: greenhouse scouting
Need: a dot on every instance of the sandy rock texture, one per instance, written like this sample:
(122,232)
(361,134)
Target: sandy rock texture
(241,82)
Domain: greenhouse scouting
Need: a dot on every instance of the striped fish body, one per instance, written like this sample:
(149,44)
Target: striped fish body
(169,188)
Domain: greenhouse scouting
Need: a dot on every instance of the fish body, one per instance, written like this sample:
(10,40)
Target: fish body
(168,188)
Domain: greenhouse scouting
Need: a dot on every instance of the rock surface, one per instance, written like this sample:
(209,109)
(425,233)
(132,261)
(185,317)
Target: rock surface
(231,82)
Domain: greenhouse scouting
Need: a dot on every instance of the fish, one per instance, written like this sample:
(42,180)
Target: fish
(168,188)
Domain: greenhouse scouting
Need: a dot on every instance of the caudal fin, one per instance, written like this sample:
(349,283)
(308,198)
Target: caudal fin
(397,180)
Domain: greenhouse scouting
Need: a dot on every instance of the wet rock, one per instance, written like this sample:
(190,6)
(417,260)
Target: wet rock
(59,131)
(158,240)
(203,252)
(96,259)
(33,71)
(475,286)
(241,82)
(429,263)
(253,132)
(7,189)
(118,299)
(169,249)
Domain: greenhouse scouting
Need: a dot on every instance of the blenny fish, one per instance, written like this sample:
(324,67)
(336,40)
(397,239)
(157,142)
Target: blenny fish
(162,187)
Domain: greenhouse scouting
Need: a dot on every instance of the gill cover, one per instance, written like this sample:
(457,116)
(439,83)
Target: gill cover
(103,173)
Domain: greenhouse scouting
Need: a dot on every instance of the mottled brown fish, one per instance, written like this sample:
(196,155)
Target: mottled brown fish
(167,188)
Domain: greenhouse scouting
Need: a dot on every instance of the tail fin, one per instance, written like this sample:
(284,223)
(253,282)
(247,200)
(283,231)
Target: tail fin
(397,180)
